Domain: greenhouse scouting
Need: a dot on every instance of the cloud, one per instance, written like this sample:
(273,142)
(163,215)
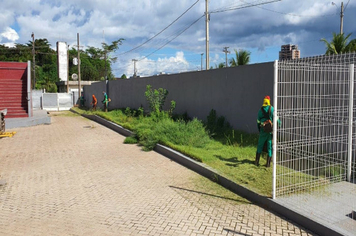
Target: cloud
(261,29)
(10,35)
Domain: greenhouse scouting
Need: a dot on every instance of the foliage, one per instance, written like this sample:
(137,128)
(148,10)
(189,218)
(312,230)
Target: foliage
(242,58)
(216,125)
(339,44)
(123,76)
(156,99)
(131,140)
(94,65)
(111,48)
(95,62)
(161,128)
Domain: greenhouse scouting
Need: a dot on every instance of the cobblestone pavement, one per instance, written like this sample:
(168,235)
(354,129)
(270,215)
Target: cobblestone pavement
(76,177)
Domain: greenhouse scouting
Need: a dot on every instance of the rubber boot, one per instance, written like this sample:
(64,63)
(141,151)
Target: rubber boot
(268,164)
(257,161)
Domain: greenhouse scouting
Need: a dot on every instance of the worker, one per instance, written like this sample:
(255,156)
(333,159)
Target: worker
(264,124)
(105,101)
(94,102)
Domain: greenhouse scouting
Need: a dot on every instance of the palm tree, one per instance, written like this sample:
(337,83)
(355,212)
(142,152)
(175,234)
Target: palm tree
(242,58)
(339,44)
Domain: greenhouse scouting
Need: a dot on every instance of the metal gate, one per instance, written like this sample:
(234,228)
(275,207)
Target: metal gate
(314,149)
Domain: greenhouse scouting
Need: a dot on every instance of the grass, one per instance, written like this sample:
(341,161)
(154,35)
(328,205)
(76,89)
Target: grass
(230,152)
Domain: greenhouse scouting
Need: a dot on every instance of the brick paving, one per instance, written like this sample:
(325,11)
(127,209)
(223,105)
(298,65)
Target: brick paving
(76,177)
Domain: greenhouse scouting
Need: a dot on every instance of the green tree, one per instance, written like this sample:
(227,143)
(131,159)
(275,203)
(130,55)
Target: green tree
(221,65)
(45,63)
(123,76)
(95,62)
(108,49)
(242,58)
(339,44)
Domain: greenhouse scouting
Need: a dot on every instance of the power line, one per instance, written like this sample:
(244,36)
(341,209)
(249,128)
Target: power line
(292,14)
(241,6)
(161,30)
(174,37)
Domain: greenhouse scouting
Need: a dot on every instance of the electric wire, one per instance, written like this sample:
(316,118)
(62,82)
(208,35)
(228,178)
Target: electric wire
(161,30)
(241,6)
(173,37)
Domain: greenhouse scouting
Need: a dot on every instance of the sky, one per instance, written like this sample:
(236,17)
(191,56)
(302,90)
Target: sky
(169,36)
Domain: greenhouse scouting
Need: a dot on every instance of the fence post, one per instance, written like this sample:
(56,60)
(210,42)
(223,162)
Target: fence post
(57,101)
(274,142)
(351,105)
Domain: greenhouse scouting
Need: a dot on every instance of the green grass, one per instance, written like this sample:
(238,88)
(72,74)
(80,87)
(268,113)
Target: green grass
(230,152)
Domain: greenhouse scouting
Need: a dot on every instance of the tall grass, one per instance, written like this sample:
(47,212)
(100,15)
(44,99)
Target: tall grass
(215,143)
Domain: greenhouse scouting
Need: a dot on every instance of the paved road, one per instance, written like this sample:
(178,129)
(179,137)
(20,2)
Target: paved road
(76,177)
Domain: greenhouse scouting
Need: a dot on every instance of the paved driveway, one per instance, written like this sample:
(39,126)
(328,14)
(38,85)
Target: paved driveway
(76,177)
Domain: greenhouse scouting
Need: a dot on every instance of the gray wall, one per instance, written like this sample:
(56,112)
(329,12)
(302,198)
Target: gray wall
(36,99)
(235,93)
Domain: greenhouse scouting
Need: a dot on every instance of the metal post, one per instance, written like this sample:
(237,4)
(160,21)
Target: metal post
(79,87)
(201,67)
(135,70)
(226,52)
(274,146)
(67,68)
(351,105)
(207,18)
(29,92)
(33,60)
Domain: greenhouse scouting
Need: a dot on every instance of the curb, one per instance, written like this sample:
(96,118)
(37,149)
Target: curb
(208,172)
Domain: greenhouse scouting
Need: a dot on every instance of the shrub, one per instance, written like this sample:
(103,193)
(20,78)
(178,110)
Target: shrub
(130,140)
(161,128)
(156,99)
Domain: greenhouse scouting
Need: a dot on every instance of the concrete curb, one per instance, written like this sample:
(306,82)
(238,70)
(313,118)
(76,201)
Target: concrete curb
(40,117)
(208,172)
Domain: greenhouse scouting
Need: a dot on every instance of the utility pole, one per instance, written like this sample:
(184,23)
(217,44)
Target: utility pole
(226,52)
(201,67)
(106,70)
(135,71)
(342,18)
(33,60)
(207,18)
(79,87)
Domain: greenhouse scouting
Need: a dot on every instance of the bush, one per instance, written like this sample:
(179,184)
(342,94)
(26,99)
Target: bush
(156,99)
(130,140)
(160,128)
(217,125)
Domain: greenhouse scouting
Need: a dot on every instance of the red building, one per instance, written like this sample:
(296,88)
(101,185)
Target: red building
(15,89)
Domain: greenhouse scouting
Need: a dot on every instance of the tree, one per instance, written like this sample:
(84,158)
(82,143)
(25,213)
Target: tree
(95,62)
(221,65)
(242,58)
(123,76)
(339,44)
(107,49)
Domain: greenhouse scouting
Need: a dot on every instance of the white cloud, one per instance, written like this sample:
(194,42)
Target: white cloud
(10,34)
(255,28)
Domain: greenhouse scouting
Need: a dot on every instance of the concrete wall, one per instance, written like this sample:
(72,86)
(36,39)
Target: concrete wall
(235,93)
(37,99)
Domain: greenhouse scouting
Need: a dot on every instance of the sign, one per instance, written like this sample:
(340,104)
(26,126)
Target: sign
(75,61)
(62,56)
(74,76)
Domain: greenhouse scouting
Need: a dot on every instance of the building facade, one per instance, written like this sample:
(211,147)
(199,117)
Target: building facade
(289,51)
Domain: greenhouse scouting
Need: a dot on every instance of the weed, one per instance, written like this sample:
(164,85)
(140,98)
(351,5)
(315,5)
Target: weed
(131,140)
